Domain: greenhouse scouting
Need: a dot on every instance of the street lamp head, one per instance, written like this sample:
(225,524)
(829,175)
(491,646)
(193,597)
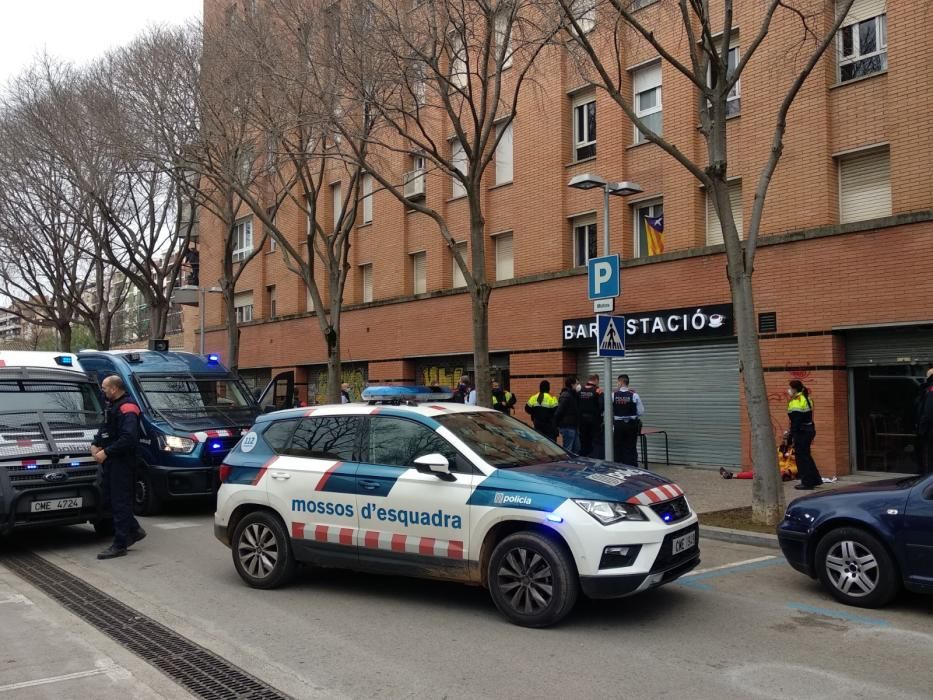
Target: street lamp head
(624,188)
(587,181)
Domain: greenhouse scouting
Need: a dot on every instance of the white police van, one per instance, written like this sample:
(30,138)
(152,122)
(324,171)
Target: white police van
(407,484)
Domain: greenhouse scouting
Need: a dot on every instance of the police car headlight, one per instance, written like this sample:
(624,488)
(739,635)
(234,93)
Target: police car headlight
(174,443)
(607,512)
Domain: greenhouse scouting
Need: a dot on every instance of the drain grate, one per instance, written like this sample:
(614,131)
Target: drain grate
(202,672)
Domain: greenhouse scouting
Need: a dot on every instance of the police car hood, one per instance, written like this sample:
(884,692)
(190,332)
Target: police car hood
(578,478)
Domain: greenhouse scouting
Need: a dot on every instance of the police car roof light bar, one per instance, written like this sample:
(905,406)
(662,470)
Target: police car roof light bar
(411,395)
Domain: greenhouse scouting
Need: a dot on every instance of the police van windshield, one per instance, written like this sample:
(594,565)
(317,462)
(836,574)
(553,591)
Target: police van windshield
(501,440)
(71,402)
(190,399)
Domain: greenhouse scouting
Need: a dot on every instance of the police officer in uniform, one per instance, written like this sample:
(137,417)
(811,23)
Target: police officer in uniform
(542,407)
(114,446)
(627,410)
(590,403)
(502,399)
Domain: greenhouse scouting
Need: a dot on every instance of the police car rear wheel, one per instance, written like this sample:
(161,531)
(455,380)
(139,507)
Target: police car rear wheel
(262,553)
(532,580)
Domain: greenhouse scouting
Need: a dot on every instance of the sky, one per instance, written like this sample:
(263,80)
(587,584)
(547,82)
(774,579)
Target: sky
(79,30)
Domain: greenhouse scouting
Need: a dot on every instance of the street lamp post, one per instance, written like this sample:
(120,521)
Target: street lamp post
(589,181)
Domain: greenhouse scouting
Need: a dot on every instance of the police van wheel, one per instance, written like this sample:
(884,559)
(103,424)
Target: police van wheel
(262,552)
(532,580)
(145,499)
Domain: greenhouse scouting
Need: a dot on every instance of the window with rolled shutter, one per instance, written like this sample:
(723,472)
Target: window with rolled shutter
(865,186)
(367,275)
(714,225)
(505,262)
(419,265)
(458,279)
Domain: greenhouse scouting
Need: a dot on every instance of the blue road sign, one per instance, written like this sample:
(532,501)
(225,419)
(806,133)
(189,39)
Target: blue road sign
(610,336)
(605,278)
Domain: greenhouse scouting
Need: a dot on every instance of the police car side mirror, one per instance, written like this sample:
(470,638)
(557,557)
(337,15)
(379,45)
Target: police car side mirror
(434,463)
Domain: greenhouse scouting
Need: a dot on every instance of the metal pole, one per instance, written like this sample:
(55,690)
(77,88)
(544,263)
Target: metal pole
(607,369)
(203,292)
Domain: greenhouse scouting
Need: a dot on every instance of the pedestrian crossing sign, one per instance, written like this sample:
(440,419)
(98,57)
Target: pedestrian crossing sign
(610,336)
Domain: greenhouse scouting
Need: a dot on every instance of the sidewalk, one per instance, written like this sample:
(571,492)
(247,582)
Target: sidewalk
(46,652)
(707,491)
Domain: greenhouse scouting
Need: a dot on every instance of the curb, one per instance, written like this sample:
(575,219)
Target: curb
(725,534)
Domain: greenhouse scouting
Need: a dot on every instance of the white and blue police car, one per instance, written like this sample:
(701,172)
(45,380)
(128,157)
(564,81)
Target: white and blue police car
(407,484)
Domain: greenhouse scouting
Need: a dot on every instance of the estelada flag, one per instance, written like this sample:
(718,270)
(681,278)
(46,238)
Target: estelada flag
(654,234)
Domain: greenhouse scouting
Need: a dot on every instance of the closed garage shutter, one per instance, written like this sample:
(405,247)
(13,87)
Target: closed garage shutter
(714,225)
(692,392)
(912,346)
(865,186)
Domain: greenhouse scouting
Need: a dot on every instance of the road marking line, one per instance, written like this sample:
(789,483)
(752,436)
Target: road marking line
(730,566)
(839,614)
(176,525)
(57,679)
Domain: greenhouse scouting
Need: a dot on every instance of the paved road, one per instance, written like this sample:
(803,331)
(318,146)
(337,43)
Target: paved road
(746,626)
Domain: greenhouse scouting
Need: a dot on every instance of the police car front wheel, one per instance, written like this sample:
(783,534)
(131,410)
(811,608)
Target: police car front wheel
(262,554)
(532,580)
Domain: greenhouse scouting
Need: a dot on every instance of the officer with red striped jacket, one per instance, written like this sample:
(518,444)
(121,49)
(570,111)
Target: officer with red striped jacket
(114,447)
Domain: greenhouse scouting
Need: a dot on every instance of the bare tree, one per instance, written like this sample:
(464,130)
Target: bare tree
(445,67)
(695,42)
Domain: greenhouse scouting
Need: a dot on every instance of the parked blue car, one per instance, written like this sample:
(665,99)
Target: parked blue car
(866,542)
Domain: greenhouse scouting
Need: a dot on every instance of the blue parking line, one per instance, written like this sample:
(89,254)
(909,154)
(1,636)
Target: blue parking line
(696,581)
(839,614)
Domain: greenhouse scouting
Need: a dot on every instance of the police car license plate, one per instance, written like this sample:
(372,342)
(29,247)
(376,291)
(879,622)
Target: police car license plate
(56,504)
(684,542)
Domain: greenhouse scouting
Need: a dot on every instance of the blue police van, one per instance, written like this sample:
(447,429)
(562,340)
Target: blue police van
(194,411)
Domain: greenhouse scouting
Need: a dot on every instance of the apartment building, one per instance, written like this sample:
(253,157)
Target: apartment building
(841,279)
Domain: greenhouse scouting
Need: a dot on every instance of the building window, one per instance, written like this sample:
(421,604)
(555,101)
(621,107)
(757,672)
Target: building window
(337,199)
(415,178)
(458,61)
(243,303)
(242,239)
(865,185)
(713,224)
(366,280)
(367,198)
(503,36)
(504,164)
(457,278)
(584,12)
(734,98)
(649,229)
(647,86)
(270,301)
(505,260)
(459,162)
(863,40)
(419,273)
(584,239)
(584,126)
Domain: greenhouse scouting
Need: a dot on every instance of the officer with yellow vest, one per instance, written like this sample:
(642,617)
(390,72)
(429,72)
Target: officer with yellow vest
(542,407)
(502,399)
(801,434)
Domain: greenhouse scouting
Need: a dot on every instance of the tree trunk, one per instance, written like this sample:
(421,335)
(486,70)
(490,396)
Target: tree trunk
(767,489)
(232,360)
(480,304)
(64,337)
(332,338)
(158,319)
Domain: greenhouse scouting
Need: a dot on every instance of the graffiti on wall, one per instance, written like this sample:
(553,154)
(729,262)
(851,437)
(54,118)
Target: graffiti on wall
(354,376)
(442,376)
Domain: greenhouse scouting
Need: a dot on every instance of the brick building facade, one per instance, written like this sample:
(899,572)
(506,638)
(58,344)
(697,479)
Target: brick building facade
(841,283)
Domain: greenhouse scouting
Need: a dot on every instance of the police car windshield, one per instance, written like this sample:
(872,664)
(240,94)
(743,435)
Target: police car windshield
(191,397)
(502,441)
(75,402)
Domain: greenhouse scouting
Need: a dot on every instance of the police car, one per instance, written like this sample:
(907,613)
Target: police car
(407,484)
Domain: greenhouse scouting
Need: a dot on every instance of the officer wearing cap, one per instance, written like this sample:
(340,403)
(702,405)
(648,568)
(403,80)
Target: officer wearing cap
(114,447)
(627,410)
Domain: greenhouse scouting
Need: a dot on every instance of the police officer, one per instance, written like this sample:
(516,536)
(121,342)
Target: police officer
(802,431)
(590,404)
(542,407)
(502,400)
(114,446)
(627,410)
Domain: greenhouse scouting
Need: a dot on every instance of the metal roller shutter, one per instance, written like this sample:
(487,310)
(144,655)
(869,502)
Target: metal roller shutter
(692,392)
(864,9)
(865,186)
(714,225)
(889,347)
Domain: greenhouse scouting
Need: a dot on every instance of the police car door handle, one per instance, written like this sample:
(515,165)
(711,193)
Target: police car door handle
(369,484)
(280,475)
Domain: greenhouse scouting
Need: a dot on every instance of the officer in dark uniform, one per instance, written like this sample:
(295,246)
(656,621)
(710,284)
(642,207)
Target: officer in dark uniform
(114,446)
(590,402)
(627,410)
